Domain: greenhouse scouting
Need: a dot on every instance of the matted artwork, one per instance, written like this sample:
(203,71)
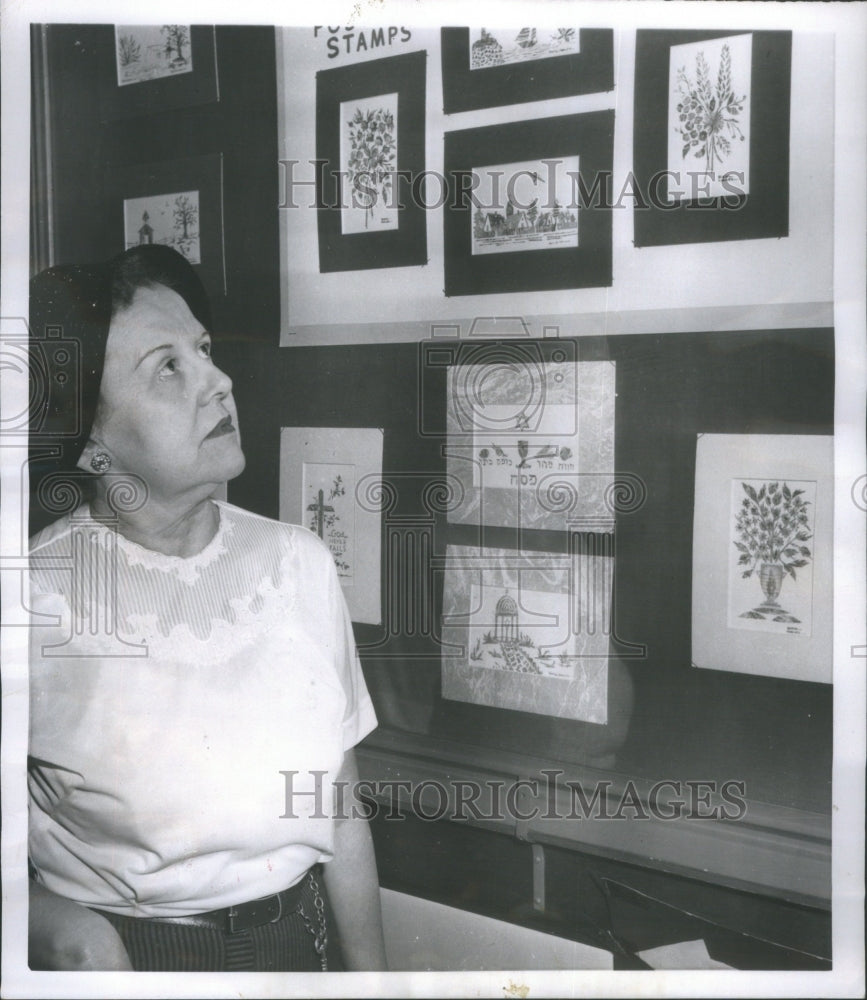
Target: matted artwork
(531,441)
(533,212)
(148,68)
(762,555)
(325,474)
(528,631)
(150,52)
(370,134)
(177,203)
(167,219)
(711,135)
(489,67)
(525,211)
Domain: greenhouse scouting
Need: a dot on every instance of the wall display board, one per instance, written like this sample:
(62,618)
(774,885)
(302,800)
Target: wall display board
(528,631)
(327,477)
(762,555)
(370,130)
(531,441)
(711,135)
(529,227)
(484,68)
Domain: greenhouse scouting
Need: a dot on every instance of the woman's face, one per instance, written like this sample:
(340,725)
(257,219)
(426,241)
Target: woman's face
(166,412)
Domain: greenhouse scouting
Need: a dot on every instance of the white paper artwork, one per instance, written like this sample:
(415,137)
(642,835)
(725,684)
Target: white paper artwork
(503,46)
(709,118)
(530,205)
(762,555)
(531,442)
(528,630)
(368,161)
(151,51)
(325,476)
(168,219)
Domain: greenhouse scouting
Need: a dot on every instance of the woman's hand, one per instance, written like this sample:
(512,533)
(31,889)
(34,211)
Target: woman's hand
(68,937)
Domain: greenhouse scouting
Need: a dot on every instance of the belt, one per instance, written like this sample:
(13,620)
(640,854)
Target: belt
(243,916)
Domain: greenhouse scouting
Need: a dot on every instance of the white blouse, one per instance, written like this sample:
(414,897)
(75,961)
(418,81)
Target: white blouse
(187,714)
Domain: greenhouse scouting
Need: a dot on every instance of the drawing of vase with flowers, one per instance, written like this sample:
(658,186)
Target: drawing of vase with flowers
(772,527)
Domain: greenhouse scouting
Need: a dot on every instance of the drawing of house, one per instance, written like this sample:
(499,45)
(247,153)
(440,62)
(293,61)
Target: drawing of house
(146,232)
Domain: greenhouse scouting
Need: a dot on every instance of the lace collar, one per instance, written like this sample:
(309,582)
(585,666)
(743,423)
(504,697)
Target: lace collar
(185,568)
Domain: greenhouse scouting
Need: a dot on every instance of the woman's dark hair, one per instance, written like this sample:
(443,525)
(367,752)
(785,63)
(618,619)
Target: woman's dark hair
(71,308)
(150,265)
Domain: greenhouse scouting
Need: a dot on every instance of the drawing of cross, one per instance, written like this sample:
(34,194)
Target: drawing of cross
(321,508)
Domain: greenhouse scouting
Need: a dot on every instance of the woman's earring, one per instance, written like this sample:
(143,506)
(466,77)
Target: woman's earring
(101,462)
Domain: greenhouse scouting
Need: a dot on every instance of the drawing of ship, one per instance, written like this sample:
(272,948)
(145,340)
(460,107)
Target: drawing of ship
(526,38)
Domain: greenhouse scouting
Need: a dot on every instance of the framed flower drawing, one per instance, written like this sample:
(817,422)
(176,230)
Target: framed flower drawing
(762,555)
(370,151)
(711,135)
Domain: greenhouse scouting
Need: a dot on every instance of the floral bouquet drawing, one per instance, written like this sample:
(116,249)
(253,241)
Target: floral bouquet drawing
(369,152)
(772,526)
(709,115)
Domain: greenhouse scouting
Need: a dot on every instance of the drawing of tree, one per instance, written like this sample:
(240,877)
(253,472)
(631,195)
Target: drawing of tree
(129,50)
(185,215)
(372,159)
(709,118)
(176,38)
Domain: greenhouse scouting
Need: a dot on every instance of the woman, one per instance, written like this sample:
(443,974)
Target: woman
(194,683)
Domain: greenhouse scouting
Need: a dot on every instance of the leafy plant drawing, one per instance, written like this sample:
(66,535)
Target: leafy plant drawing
(772,525)
(709,117)
(337,488)
(128,49)
(372,159)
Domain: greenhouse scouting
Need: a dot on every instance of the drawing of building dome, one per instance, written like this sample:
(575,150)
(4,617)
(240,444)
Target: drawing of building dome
(506,619)
(487,51)
(506,605)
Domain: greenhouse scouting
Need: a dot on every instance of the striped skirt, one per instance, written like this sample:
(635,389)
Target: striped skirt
(287,945)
